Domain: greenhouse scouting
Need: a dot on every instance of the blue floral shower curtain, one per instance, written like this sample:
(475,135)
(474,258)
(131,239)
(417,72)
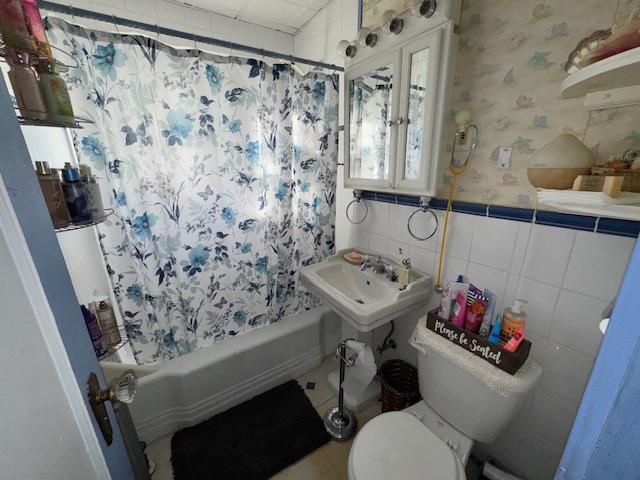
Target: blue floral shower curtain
(222,174)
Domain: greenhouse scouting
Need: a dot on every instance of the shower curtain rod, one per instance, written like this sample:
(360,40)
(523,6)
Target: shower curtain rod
(125,22)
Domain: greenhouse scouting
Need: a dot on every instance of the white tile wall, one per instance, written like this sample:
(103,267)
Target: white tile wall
(597,264)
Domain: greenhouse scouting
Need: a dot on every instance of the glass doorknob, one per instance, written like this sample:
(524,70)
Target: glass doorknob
(123,389)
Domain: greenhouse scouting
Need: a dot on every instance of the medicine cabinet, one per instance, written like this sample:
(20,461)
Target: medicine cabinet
(396,106)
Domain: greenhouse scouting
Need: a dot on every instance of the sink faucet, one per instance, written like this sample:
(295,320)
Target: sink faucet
(366,263)
(380,268)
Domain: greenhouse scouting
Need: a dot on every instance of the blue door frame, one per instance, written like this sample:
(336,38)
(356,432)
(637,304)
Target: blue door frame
(605,440)
(28,203)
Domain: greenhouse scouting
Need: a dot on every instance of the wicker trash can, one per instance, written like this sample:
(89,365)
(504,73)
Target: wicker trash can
(399,382)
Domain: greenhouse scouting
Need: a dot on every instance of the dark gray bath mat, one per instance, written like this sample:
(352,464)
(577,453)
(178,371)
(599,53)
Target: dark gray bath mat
(251,441)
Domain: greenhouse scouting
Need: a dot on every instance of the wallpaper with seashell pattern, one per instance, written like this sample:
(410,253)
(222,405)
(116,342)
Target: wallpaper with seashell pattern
(510,63)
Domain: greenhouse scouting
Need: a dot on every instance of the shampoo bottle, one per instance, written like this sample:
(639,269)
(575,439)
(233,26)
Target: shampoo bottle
(25,85)
(53,195)
(55,93)
(35,26)
(76,195)
(94,332)
(93,191)
(513,320)
(107,320)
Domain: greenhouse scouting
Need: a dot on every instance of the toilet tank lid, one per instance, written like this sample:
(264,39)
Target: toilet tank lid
(497,380)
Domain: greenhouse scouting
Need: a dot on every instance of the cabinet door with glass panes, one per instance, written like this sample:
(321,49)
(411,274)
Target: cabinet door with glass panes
(396,111)
(370,122)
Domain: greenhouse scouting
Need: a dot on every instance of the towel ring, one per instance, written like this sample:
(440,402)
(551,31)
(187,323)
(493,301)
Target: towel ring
(357,198)
(424,207)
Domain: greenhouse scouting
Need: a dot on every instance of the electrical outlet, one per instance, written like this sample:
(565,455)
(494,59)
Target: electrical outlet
(504,158)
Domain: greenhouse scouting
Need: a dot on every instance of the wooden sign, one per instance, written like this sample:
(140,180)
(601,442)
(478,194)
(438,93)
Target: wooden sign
(509,362)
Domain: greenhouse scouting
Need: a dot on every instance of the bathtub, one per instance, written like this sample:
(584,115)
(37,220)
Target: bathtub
(187,390)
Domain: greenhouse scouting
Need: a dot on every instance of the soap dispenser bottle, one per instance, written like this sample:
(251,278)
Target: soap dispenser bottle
(403,271)
(513,320)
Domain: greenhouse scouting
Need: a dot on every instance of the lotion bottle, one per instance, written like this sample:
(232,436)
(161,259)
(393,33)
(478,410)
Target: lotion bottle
(513,320)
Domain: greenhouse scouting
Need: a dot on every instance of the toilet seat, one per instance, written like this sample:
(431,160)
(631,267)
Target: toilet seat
(396,445)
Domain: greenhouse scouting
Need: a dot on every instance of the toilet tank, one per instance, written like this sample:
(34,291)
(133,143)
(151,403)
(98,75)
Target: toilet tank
(475,397)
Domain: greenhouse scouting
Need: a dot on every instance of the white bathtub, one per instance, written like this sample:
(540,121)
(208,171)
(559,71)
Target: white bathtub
(187,390)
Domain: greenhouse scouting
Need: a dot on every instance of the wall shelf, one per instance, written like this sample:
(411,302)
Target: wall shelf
(89,223)
(625,212)
(75,123)
(617,71)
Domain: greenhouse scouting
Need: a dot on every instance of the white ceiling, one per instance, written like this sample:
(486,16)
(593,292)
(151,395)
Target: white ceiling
(288,16)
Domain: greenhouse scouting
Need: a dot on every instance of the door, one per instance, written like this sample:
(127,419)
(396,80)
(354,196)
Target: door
(605,437)
(34,231)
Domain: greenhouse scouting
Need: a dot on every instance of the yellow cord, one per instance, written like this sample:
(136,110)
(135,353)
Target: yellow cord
(444,229)
(455,173)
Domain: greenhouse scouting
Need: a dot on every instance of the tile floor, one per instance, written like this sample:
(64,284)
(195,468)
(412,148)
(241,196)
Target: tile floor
(326,463)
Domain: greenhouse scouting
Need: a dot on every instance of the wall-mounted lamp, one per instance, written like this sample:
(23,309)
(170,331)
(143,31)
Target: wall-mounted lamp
(371,40)
(396,25)
(346,49)
(368,37)
(392,22)
(424,8)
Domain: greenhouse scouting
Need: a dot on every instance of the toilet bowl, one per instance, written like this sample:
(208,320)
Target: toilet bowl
(465,399)
(397,445)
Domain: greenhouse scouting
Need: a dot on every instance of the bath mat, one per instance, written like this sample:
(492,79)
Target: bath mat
(251,441)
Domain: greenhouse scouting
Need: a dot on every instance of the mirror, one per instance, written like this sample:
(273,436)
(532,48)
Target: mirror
(370,124)
(415,114)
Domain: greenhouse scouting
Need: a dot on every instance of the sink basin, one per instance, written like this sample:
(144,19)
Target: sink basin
(365,300)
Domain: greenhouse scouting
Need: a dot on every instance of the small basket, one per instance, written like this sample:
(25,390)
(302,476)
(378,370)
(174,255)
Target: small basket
(631,181)
(399,382)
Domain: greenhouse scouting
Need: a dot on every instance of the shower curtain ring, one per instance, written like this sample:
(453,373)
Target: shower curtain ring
(113,20)
(357,199)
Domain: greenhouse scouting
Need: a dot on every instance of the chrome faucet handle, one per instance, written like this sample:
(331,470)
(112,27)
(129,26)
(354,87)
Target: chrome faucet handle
(379,267)
(366,263)
(391,274)
(406,261)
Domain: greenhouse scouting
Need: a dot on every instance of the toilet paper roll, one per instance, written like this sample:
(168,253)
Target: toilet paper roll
(361,373)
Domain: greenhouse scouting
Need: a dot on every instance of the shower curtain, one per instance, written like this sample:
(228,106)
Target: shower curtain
(221,172)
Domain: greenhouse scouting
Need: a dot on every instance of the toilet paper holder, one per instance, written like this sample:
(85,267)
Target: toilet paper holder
(347,361)
(340,422)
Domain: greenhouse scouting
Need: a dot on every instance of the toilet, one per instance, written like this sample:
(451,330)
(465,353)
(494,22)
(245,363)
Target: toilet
(464,400)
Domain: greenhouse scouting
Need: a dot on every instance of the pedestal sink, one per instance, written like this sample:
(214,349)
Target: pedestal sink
(364,299)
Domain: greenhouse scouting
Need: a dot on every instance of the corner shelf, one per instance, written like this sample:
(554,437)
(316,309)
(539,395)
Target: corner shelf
(124,339)
(76,123)
(617,71)
(88,223)
(26,117)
